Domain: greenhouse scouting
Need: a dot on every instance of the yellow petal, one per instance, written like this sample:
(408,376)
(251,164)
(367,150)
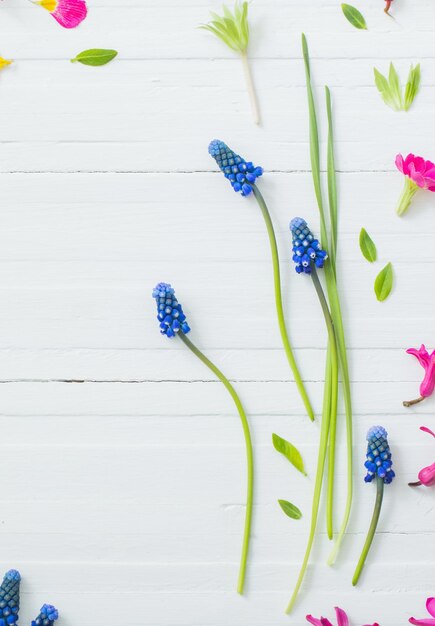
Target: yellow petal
(4,62)
(50,5)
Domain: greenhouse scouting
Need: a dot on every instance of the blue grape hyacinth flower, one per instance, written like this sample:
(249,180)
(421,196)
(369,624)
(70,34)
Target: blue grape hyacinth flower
(10,598)
(379,468)
(47,616)
(306,249)
(169,311)
(241,174)
(378,457)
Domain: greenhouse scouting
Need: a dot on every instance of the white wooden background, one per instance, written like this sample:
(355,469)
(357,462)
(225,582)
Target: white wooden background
(122,463)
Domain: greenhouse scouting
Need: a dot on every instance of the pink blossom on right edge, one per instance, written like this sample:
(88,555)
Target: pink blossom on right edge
(430,606)
(419,174)
(427,361)
(426,476)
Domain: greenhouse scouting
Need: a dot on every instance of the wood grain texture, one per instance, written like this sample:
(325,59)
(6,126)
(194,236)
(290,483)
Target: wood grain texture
(122,458)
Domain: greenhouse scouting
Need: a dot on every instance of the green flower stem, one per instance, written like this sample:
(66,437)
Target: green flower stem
(249,455)
(250,87)
(332,347)
(321,458)
(278,302)
(372,529)
(409,190)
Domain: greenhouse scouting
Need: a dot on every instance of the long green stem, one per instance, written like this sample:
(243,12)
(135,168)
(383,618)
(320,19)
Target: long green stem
(249,455)
(278,302)
(321,457)
(332,346)
(372,529)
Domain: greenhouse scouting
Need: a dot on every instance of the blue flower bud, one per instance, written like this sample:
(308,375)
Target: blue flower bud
(378,456)
(169,312)
(10,598)
(306,249)
(47,616)
(241,174)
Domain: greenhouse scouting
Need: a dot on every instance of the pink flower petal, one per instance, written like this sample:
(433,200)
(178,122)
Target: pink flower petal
(425,429)
(420,165)
(69,13)
(400,164)
(422,622)
(342,619)
(430,606)
(421,354)
(313,620)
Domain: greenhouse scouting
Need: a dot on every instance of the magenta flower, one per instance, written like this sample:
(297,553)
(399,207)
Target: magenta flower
(426,476)
(427,361)
(342,619)
(419,174)
(430,606)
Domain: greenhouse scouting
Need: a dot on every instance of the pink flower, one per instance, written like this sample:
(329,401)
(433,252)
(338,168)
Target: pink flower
(342,619)
(427,361)
(426,476)
(68,13)
(419,173)
(430,606)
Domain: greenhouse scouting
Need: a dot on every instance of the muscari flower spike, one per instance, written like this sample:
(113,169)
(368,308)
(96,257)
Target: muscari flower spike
(241,174)
(47,616)
(379,466)
(306,249)
(169,311)
(10,598)
(378,456)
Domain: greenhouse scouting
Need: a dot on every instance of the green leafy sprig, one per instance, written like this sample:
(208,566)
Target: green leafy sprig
(233,29)
(391,90)
(384,282)
(291,453)
(367,246)
(354,16)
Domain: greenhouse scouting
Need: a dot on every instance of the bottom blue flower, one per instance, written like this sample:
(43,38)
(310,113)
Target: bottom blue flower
(47,616)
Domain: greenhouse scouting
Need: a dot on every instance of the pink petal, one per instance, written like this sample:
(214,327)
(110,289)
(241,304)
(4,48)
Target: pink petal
(416,176)
(422,355)
(342,619)
(420,165)
(425,429)
(400,164)
(69,13)
(430,606)
(313,620)
(427,476)
(422,622)
(431,188)
(325,622)
(429,165)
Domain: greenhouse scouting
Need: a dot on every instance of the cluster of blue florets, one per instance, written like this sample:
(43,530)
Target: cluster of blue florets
(169,311)
(306,249)
(47,616)
(241,174)
(378,456)
(10,598)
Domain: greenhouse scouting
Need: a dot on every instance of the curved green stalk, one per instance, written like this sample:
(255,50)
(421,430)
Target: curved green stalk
(372,529)
(321,457)
(278,302)
(249,455)
(332,347)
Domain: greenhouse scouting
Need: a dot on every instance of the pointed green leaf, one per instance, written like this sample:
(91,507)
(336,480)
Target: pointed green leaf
(95,56)
(290,452)
(290,509)
(383,87)
(395,89)
(384,283)
(367,246)
(412,86)
(354,16)
(232,27)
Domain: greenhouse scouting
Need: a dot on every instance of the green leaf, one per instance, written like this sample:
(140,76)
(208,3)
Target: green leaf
(95,56)
(412,86)
(384,283)
(290,509)
(395,89)
(383,87)
(232,27)
(354,16)
(367,246)
(290,452)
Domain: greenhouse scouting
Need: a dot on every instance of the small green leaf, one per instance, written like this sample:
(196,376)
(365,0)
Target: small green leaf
(95,56)
(395,89)
(367,246)
(383,87)
(290,452)
(354,16)
(290,509)
(384,283)
(412,86)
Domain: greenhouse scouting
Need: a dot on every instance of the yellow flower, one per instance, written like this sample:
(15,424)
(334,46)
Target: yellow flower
(4,62)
